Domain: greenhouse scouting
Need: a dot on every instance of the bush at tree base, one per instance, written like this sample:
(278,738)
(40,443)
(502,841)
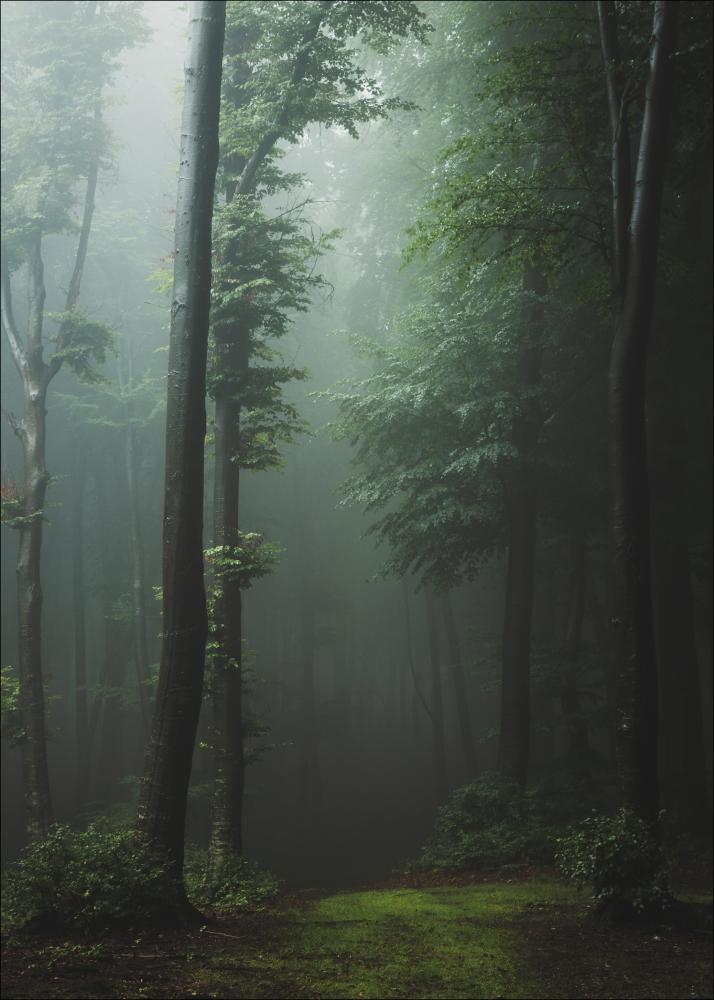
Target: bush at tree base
(239,884)
(85,880)
(619,858)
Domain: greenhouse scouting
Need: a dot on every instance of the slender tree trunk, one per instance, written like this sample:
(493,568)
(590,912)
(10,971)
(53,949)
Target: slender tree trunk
(458,679)
(514,744)
(621,156)
(36,784)
(233,350)
(682,763)
(441,780)
(635,645)
(81,712)
(569,693)
(36,376)
(162,804)
(136,548)
(227,683)
(309,780)
(111,720)
(604,642)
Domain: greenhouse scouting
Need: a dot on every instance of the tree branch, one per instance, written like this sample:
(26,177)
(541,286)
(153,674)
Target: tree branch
(15,422)
(274,133)
(617,99)
(8,319)
(87,214)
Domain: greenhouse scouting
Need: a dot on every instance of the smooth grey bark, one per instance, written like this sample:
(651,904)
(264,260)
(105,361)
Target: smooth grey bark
(681,732)
(309,785)
(36,375)
(81,712)
(226,839)
(633,616)
(136,547)
(604,642)
(232,347)
(621,156)
(162,804)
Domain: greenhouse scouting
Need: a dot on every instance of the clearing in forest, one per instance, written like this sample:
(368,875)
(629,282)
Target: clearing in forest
(495,939)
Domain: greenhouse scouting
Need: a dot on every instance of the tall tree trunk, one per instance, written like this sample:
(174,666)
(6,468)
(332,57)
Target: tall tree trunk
(309,799)
(36,376)
(31,432)
(682,762)
(604,642)
(227,683)
(111,714)
(569,694)
(109,759)
(436,703)
(514,744)
(458,679)
(162,803)
(81,714)
(635,646)
(136,549)
(233,350)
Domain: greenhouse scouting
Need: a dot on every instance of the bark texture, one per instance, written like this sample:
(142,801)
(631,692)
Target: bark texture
(136,548)
(633,616)
(228,742)
(81,712)
(36,375)
(681,732)
(162,804)
(233,351)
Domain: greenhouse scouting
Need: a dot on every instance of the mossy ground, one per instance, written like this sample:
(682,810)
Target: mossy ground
(501,939)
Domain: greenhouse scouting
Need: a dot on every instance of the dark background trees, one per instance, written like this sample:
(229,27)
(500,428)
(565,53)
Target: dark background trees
(468,393)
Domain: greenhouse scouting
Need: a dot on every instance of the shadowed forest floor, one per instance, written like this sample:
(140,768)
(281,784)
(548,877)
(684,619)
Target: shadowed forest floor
(496,939)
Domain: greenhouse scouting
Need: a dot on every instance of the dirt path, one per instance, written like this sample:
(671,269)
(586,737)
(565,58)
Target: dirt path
(500,939)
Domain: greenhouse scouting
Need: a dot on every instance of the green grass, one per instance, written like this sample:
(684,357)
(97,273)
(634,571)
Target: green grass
(440,942)
(494,939)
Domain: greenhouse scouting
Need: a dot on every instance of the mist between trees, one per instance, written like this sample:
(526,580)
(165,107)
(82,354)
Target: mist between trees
(450,511)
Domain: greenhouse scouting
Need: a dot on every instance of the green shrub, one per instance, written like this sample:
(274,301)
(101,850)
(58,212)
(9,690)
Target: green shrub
(487,824)
(239,885)
(85,880)
(619,858)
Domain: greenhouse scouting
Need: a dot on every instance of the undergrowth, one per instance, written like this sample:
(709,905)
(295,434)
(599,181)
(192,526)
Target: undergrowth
(98,877)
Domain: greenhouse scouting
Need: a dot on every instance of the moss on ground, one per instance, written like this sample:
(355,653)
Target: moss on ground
(499,939)
(441,942)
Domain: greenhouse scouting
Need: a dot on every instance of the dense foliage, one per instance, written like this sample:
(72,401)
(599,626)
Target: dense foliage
(413,247)
(618,858)
(87,881)
(240,885)
(492,823)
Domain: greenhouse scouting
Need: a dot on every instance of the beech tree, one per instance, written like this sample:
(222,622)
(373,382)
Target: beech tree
(162,802)
(636,224)
(288,65)
(53,140)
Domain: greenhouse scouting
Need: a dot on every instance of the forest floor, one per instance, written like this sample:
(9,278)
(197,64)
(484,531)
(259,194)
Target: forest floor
(416,937)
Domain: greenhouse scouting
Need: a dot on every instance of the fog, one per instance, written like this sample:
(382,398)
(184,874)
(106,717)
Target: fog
(340,645)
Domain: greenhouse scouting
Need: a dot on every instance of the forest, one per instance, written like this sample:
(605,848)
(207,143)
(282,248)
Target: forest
(356,498)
